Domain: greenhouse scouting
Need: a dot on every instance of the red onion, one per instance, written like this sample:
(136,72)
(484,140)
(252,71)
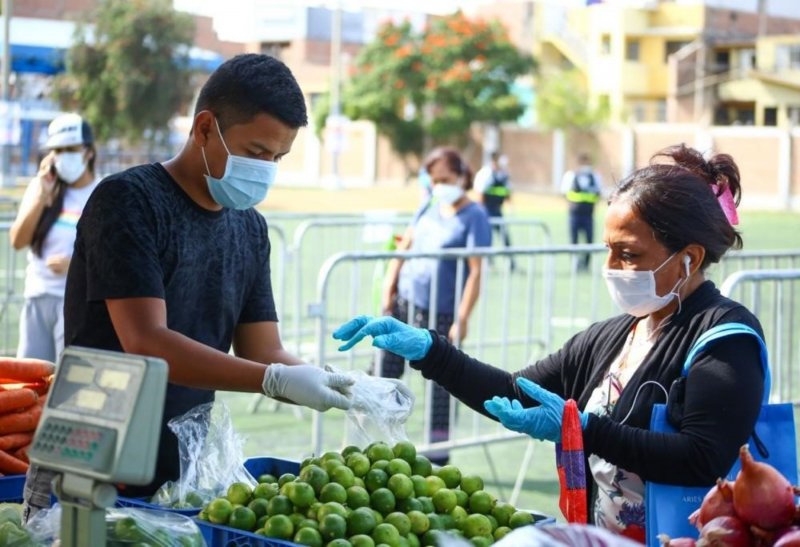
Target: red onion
(788,538)
(667,541)
(718,502)
(761,495)
(724,532)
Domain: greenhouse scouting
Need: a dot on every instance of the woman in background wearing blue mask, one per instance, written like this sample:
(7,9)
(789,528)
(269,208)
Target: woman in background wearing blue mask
(46,224)
(448,220)
(666,223)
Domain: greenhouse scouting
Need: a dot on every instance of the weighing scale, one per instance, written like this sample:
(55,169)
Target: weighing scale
(101,426)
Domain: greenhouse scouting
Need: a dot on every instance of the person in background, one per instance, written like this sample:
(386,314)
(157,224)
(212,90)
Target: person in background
(664,227)
(449,220)
(582,188)
(172,260)
(493,185)
(46,225)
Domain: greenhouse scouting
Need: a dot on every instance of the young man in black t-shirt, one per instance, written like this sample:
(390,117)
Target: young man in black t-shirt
(172,260)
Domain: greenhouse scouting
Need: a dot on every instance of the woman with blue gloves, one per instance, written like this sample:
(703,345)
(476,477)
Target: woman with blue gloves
(665,225)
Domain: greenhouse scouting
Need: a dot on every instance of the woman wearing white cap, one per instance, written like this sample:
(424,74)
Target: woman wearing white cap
(46,224)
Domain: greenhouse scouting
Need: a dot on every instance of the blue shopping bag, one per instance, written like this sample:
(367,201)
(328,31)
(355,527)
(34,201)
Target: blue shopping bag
(667,506)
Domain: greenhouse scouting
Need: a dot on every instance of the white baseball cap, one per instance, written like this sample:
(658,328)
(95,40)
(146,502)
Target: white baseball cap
(68,130)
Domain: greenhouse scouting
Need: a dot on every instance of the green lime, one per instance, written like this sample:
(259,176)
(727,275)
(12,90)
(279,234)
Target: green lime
(420,485)
(427,504)
(259,506)
(481,502)
(308,536)
(401,486)
(333,491)
(267,478)
(331,508)
(358,463)
(219,510)
(302,495)
(502,511)
(398,466)
(357,497)
(405,450)
(471,483)
(408,504)
(379,451)
(316,476)
(444,500)
(332,456)
(382,500)
(332,526)
(399,521)
(343,475)
(361,521)
(279,526)
(386,533)
(362,540)
(279,505)
(419,522)
(520,518)
(286,477)
(477,525)
(481,541)
(308,523)
(435,483)
(380,464)
(462,499)
(459,515)
(125,529)
(339,542)
(243,518)
(240,493)
(265,490)
(421,466)
(375,478)
(501,532)
(348,450)
(450,474)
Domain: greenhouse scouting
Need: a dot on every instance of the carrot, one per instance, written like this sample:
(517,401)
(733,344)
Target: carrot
(21,453)
(15,440)
(11,465)
(21,421)
(16,399)
(26,370)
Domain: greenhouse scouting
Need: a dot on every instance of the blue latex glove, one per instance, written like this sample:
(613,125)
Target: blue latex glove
(388,333)
(542,422)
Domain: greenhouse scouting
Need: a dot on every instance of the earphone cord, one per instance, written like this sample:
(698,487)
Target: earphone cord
(636,396)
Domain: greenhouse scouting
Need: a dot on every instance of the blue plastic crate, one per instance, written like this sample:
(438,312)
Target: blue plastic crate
(11,488)
(255,466)
(273,466)
(224,536)
(141,503)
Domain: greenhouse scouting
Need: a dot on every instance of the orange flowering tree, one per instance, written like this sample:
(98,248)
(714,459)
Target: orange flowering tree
(435,82)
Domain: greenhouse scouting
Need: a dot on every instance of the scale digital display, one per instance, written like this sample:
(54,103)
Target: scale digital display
(84,388)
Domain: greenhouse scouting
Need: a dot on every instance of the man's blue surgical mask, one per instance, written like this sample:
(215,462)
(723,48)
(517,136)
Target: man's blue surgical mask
(245,181)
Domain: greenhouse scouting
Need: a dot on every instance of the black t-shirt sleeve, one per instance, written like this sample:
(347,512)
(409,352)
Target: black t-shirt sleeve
(118,237)
(260,303)
(722,403)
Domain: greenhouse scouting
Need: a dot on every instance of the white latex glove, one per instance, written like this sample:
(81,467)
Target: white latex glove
(308,385)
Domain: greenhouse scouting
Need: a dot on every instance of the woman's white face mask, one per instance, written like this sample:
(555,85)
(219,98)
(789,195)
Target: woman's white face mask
(634,291)
(448,193)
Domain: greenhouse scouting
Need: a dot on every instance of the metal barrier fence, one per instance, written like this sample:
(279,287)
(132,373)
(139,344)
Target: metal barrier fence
(315,240)
(774,296)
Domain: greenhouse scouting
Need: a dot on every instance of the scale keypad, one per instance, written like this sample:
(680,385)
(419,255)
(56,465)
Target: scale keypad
(77,444)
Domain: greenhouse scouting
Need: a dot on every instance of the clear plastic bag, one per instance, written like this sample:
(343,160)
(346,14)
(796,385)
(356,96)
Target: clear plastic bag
(125,527)
(211,458)
(380,409)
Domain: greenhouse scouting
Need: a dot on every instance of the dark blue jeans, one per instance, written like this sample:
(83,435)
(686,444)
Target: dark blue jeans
(581,223)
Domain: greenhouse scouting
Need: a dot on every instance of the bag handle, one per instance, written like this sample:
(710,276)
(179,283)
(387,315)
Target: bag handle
(728,329)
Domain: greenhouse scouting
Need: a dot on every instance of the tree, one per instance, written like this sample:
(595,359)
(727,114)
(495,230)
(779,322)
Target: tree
(435,83)
(562,102)
(131,77)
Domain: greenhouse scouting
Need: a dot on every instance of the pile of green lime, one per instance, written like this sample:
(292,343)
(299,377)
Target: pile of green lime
(379,496)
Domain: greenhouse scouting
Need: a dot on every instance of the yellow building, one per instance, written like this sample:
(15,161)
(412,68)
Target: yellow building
(660,61)
(762,84)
